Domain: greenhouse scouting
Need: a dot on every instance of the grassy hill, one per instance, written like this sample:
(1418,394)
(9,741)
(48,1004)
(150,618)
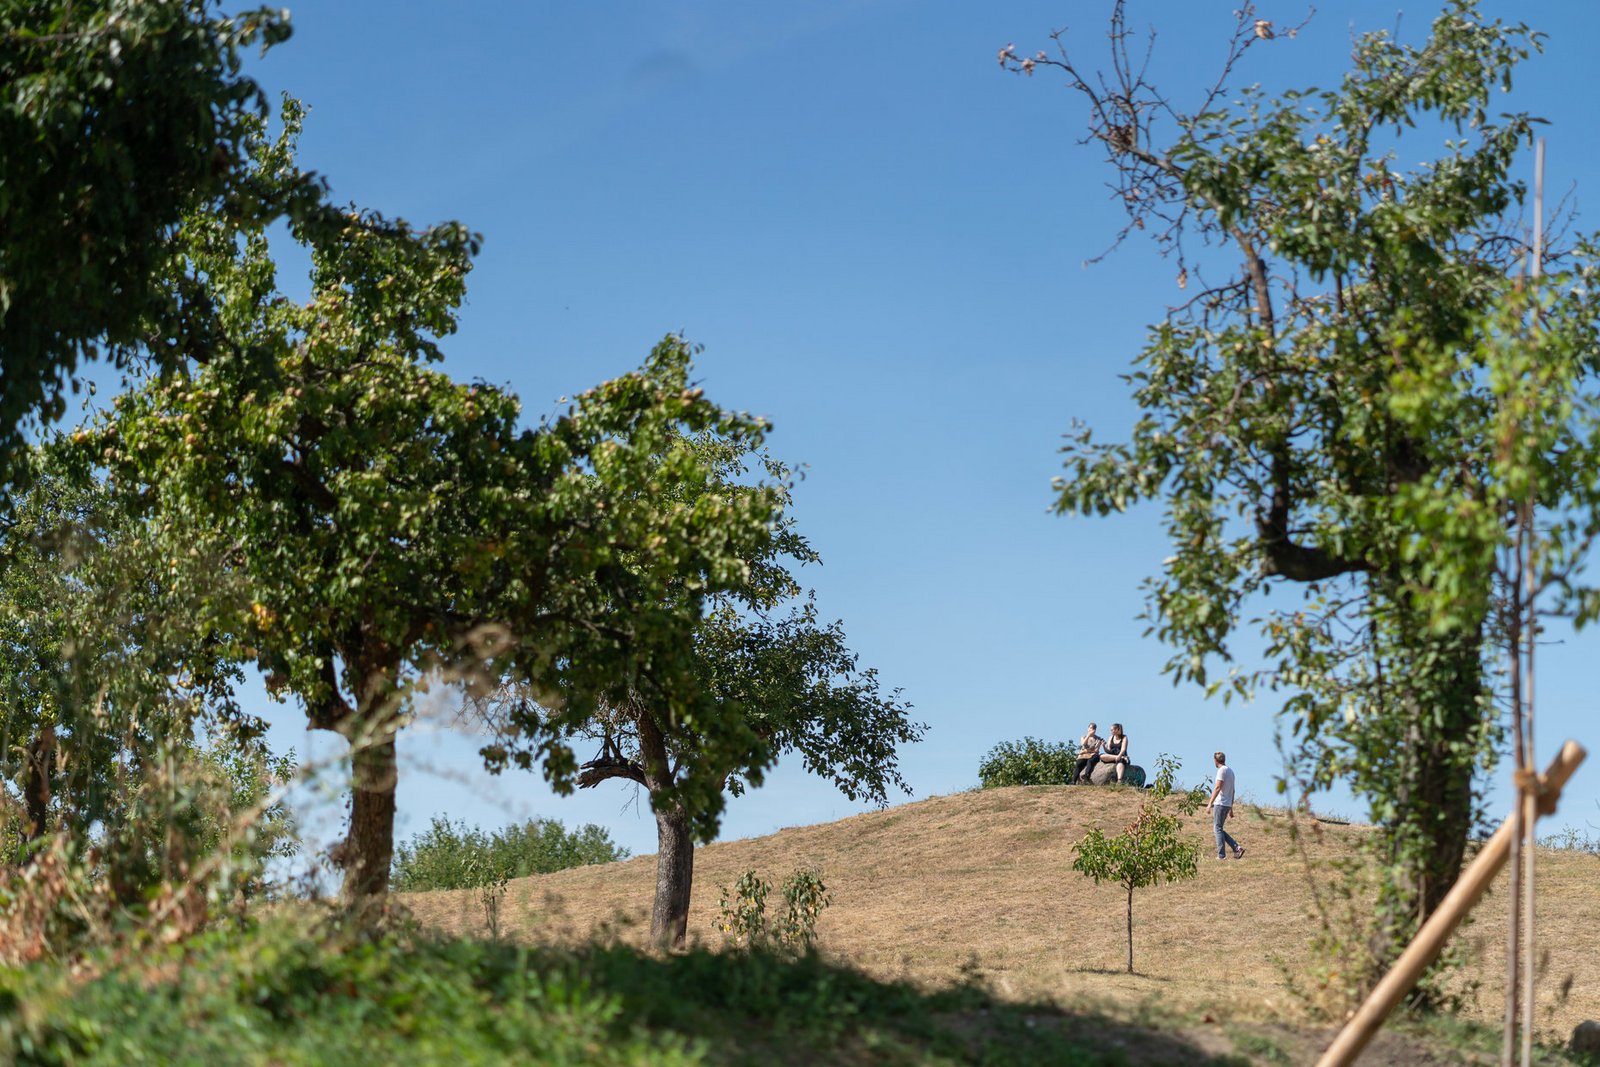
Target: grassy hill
(981,883)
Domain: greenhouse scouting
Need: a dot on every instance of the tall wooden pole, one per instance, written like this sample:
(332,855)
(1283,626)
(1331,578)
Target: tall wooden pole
(1531,592)
(1519,810)
(1428,943)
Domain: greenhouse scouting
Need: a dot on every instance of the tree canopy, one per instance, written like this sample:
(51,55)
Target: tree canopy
(770,679)
(119,119)
(386,527)
(100,667)
(1302,406)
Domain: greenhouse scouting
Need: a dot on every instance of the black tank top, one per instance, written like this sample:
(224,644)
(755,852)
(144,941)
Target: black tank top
(1114,748)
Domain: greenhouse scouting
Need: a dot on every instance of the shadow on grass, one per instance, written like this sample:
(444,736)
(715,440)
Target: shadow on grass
(758,1008)
(1120,972)
(279,996)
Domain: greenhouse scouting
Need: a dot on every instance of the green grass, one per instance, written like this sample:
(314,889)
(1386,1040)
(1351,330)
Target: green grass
(1258,1046)
(277,996)
(1468,1037)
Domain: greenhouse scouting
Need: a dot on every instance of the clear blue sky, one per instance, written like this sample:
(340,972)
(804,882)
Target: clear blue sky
(879,238)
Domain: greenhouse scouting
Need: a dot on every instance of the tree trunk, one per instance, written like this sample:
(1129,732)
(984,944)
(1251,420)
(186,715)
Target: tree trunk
(369,847)
(38,768)
(669,917)
(1432,816)
(1130,929)
(1438,811)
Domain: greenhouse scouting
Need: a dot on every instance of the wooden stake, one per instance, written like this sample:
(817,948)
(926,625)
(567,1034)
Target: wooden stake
(1531,591)
(1428,943)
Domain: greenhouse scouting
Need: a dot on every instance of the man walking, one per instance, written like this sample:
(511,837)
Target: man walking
(1221,806)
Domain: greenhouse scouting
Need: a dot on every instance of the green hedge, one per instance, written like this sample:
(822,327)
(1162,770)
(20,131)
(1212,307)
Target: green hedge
(452,855)
(1028,762)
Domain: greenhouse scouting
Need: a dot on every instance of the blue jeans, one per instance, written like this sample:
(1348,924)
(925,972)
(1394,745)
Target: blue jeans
(1224,839)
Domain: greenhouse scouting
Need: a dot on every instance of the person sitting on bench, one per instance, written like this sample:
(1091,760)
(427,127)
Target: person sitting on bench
(1088,755)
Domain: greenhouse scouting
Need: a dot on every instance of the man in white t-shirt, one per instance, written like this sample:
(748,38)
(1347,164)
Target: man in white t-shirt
(1221,806)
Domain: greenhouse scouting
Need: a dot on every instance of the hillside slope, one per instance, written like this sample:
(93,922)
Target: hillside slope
(982,881)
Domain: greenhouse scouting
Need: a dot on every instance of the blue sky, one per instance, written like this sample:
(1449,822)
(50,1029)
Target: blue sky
(879,238)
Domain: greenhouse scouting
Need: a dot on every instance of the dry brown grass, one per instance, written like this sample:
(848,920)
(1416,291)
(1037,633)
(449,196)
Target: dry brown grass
(984,880)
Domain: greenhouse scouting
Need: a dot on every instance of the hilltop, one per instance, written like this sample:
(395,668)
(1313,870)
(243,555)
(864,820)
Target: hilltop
(981,883)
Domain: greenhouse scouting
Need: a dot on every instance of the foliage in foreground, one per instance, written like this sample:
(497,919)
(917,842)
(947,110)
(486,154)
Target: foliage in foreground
(452,855)
(275,996)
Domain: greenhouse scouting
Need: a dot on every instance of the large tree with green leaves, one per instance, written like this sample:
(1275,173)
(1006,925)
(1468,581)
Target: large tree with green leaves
(116,118)
(1289,404)
(119,118)
(385,527)
(771,679)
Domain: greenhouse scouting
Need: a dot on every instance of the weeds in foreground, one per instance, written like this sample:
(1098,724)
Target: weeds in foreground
(283,993)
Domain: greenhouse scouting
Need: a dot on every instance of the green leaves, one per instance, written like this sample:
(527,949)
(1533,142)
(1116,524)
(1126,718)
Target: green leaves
(754,673)
(1149,850)
(1357,408)
(1029,761)
(383,527)
(116,118)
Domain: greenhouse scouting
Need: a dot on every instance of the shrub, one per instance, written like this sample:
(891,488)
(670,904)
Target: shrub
(1572,839)
(261,1000)
(743,911)
(804,897)
(1028,762)
(452,855)
(186,838)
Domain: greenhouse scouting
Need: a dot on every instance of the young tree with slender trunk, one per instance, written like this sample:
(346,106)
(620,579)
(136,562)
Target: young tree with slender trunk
(1148,851)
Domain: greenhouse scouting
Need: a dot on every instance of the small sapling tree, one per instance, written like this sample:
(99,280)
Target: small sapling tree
(1149,851)
(742,912)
